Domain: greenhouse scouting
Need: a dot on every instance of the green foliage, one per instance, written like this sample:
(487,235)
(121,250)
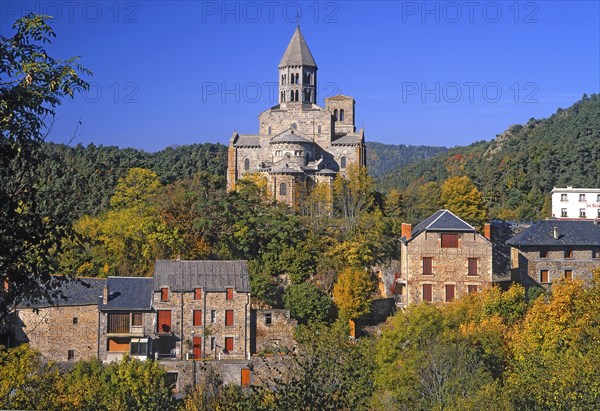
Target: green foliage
(307,303)
(352,293)
(461,197)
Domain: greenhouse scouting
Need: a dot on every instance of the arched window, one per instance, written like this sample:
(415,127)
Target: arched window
(282,189)
(246,164)
(282,79)
(335,114)
(292,95)
(296,96)
(319,129)
(307,96)
(269,130)
(343,162)
(342,115)
(297,78)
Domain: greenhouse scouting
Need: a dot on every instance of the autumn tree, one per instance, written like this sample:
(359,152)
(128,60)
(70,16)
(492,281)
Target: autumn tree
(352,292)
(307,303)
(461,197)
(32,85)
(352,196)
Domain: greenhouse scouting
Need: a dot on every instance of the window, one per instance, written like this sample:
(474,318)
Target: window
(229,344)
(269,131)
(117,344)
(471,288)
(544,278)
(544,253)
(568,253)
(197,321)
(563,212)
(282,189)
(197,347)
(197,293)
(596,253)
(139,347)
(563,197)
(343,162)
(319,132)
(75,320)
(229,293)
(294,126)
(342,115)
(228,318)
(450,292)
(136,319)
(581,197)
(118,323)
(268,318)
(598,213)
(163,324)
(70,355)
(582,213)
(213,316)
(568,274)
(427,266)
(213,343)
(427,293)
(449,240)
(246,164)
(598,198)
(296,95)
(335,114)
(472,267)
(164,294)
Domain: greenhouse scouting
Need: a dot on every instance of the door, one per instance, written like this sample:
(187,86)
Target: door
(245,377)
(197,347)
(164,321)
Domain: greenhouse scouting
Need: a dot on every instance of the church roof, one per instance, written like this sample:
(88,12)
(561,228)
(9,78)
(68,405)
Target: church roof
(326,171)
(340,97)
(297,52)
(248,140)
(348,139)
(289,138)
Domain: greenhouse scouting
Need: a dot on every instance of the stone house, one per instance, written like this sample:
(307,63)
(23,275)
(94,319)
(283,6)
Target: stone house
(273,330)
(299,143)
(555,249)
(202,309)
(442,258)
(126,318)
(65,330)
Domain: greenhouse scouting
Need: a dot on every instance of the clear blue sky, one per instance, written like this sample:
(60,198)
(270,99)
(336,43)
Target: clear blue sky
(435,73)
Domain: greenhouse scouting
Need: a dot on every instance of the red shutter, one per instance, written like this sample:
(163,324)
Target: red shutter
(544,276)
(568,274)
(449,240)
(164,294)
(229,344)
(472,266)
(228,317)
(197,293)
(472,289)
(197,347)
(197,317)
(427,266)
(427,292)
(246,377)
(229,293)
(449,292)
(164,321)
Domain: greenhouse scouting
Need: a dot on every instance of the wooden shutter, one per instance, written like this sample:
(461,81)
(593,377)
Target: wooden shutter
(450,292)
(449,240)
(164,321)
(118,344)
(472,288)
(427,292)
(229,344)
(427,266)
(472,266)
(197,318)
(544,276)
(229,293)
(197,347)
(228,317)
(136,319)
(164,294)
(246,377)
(568,274)
(197,293)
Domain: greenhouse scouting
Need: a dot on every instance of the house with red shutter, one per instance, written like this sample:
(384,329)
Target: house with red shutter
(442,258)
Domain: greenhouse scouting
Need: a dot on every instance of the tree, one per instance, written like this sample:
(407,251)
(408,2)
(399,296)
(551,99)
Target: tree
(352,196)
(307,303)
(461,197)
(32,85)
(352,292)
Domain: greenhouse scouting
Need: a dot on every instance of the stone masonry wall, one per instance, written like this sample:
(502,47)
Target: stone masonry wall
(54,331)
(276,336)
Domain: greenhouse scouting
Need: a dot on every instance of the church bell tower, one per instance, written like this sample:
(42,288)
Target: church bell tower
(297,72)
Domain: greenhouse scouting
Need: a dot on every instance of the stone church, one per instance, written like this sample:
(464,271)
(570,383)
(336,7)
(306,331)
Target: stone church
(299,143)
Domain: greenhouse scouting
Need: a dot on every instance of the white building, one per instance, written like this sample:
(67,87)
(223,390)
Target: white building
(576,202)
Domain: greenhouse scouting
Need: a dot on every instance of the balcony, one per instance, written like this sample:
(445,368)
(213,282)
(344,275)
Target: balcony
(125,324)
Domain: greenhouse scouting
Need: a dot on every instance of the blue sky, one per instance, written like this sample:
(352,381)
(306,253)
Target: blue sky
(434,73)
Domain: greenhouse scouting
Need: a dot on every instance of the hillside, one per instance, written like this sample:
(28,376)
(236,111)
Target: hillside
(384,158)
(517,170)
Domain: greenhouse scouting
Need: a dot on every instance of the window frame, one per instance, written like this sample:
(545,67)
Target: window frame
(430,292)
(448,287)
(229,318)
(229,293)
(164,293)
(547,275)
(568,275)
(137,318)
(268,318)
(427,262)
(198,294)
(471,290)
(470,262)
(446,242)
(197,318)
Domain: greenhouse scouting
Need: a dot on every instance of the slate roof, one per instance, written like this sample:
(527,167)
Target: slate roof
(347,139)
(441,221)
(248,140)
(570,233)
(211,275)
(285,170)
(326,171)
(297,52)
(75,293)
(127,294)
(289,138)
(339,97)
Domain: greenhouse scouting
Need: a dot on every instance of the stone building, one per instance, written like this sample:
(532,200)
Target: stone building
(299,144)
(555,249)
(126,318)
(202,309)
(442,258)
(65,330)
(273,330)
(573,202)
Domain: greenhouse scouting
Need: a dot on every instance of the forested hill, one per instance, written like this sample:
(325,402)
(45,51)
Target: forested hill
(383,158)
(517,170)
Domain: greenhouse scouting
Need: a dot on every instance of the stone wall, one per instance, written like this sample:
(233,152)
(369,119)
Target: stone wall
(275,336)
(55,331)
(450,265)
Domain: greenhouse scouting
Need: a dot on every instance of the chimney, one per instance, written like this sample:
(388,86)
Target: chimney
(555,233)
(406,230)
(487,231)
(105,295)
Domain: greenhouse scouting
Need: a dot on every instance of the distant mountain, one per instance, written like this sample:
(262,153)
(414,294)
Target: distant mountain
(517,170)
(383,158)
